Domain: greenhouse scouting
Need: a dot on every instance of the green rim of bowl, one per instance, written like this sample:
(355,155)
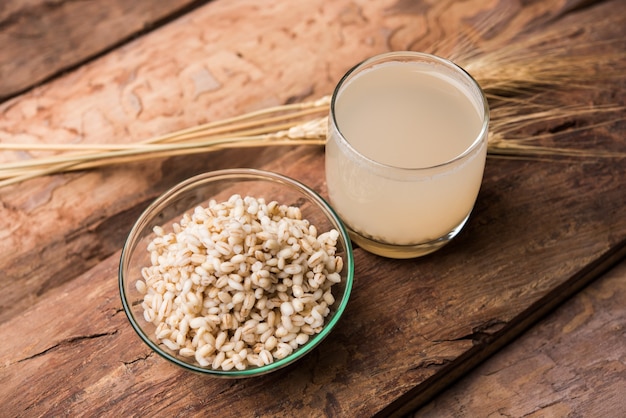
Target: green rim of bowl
(244,174)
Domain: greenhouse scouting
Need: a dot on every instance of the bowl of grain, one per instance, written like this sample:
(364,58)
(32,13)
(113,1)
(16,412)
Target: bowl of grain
(236,273)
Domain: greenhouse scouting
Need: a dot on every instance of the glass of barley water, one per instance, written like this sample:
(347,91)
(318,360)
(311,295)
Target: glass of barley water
(406,151)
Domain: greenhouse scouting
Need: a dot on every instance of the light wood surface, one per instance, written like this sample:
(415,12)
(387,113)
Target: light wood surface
(540,231)
(41,39)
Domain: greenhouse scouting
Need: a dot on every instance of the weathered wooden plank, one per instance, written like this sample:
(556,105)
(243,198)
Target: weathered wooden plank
(571,364)
(196,70)
(41,38)
(537,224)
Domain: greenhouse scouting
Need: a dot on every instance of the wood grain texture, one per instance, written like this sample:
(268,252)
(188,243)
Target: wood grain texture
(41,38)
(538,226)
(571,364)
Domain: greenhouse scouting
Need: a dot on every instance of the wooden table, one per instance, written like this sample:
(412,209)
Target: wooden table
(569,364)
(116,72)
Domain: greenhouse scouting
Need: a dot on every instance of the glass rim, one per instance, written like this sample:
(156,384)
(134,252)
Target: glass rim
(482,134)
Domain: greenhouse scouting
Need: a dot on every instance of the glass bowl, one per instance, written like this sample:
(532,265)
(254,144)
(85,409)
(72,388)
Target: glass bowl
(166,212)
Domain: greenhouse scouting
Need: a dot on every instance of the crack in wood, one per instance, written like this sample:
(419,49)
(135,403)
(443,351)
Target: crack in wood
(67,342)
(139,359)
(480,335)
(437,361)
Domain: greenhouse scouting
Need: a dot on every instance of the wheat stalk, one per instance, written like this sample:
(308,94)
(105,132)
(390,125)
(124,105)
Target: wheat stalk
(514,80)
(280,125)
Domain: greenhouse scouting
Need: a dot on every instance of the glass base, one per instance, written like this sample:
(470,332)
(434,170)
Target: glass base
(404,251)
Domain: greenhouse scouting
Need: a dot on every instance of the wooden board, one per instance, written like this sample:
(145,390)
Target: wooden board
(540,229)
(570,364)
(40,39)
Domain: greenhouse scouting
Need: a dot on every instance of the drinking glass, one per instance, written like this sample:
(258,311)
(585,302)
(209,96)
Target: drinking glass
(406,150)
